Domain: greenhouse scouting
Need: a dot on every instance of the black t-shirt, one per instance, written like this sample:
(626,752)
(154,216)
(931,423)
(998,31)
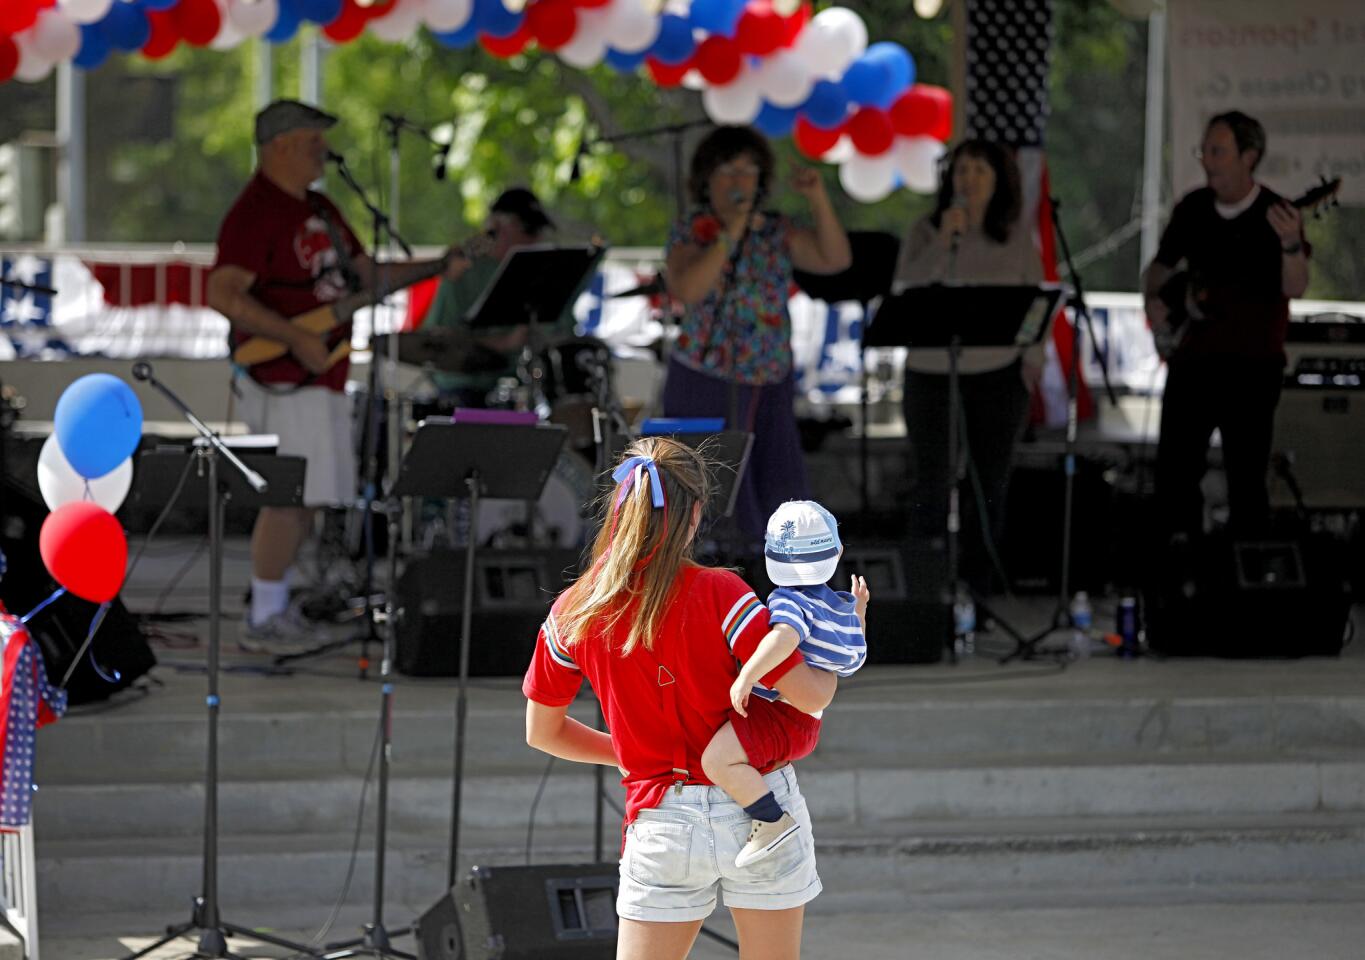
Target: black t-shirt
(1237,263)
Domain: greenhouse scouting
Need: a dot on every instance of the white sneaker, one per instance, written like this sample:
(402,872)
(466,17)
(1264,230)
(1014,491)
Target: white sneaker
(766,837)
(282,633)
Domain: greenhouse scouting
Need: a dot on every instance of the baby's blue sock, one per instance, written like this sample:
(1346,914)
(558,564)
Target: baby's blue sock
(765,808)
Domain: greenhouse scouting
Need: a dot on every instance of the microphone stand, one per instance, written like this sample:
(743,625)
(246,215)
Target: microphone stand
(674,130)
(376,939)
(205,918)
(1061,615)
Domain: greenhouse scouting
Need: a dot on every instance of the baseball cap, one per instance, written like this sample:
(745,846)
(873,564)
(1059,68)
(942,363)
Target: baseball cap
(801,546)
(283,116)
(525,206)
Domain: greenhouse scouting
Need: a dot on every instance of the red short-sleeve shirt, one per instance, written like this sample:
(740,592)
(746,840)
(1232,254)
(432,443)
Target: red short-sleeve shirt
(284,242)
(714,619)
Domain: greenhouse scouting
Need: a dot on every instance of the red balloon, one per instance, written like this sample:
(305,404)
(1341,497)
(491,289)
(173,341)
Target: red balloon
(350,24)
(793,25)
(590,3)
(943,130)
(922,110)
(9,57)
(17,15)
(509,46)
(164,36)
(815,141)
(84,549)
(198,21)
(665,75)
(871,131)
(552,23)
(718,60)
(760,30)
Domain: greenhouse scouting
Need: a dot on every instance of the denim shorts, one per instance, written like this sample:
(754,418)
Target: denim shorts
(680,854)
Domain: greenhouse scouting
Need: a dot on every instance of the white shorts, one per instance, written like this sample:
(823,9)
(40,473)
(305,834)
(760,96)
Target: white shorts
(313,423)
(681,854)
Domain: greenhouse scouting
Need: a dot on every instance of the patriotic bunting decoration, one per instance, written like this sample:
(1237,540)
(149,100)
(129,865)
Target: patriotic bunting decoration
(771,63)
(27,701)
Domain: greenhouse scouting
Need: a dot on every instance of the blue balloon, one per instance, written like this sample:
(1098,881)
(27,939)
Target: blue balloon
(675,42)
(899,60)
(319,11)
(624,62)
(868,81)
(98,424)
(94,48)
(775,121)
(716,17)
(827,105)
(157,4)
(286,24)
(496,20)
(461,38)
(125,27)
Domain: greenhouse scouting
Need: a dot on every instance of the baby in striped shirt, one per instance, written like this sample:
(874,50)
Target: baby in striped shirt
(828,627)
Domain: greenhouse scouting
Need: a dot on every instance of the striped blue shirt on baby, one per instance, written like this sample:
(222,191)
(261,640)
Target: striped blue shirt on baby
(826,621)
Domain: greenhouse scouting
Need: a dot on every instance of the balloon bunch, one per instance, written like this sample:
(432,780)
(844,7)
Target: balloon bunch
(770,63)
(84,471)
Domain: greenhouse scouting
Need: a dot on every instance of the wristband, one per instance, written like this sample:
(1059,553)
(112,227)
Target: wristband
(1291,248)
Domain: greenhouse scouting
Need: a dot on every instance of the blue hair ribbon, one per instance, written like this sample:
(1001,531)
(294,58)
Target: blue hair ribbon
(626,473)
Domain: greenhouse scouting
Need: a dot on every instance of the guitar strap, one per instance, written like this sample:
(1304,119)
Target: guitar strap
(344,262)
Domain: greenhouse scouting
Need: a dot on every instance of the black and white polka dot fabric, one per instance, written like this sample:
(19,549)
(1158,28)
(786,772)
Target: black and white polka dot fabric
(1008,54)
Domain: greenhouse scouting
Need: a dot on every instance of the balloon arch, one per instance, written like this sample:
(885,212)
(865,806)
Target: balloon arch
(766,62)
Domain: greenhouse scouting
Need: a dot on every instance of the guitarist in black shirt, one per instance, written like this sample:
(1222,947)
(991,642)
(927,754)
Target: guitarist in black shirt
(1245,257)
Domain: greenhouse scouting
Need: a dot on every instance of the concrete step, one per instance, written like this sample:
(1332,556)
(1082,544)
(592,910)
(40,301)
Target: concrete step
(257,744)
(887,868)
(969,789)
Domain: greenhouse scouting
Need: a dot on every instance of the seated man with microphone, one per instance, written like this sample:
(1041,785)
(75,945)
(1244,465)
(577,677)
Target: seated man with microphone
(285,250)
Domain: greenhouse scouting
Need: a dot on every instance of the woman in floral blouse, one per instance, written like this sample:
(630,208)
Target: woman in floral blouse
(731,263)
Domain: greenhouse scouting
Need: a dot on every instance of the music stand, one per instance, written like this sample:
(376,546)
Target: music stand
(953,316)
(869,277)
(251,488)
(452,459)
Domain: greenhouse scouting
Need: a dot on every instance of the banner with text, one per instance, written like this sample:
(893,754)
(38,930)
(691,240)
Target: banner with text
(1298,68)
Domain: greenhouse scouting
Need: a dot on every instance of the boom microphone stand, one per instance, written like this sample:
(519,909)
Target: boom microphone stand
(1061,614)
(213,931)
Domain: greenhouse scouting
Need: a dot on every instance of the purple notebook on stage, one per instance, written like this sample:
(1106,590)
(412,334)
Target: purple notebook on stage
(505,418)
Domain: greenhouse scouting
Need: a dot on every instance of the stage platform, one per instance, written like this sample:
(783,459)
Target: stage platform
(1101,809)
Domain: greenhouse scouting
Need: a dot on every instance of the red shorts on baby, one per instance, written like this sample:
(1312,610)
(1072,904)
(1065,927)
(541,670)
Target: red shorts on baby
(775,732)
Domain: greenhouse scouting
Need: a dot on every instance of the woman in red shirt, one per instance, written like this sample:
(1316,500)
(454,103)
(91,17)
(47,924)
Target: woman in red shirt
(657,635)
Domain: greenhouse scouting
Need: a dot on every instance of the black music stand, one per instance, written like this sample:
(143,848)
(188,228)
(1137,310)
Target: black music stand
(869,277)
(950,317)
(474,460)
(243,483)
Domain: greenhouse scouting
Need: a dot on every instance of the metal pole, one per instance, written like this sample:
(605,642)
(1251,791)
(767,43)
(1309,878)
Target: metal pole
(1154,138)
(310,67)
(71,151)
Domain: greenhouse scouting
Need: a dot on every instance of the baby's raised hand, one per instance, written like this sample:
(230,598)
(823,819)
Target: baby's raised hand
(860,597)
(739,696)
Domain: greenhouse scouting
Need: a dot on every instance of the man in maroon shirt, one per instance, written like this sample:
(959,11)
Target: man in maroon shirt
(1245,256)
(284,250)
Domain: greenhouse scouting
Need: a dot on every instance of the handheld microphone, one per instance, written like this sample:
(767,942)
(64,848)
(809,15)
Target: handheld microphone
(142,370)
(334,157)
(739,197)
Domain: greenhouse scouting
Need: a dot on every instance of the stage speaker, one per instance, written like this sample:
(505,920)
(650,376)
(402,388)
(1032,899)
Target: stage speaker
(1319,447)
(558,911)
(119,647)
(513,590)
(1274,598)
(1034,513)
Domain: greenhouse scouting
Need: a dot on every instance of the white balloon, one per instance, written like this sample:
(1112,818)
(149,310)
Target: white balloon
(630,28)
(916,161)
(589,43)
(54,36)
(60,484)
(33,66)
(784,80)
(85,11)
(446,16)
(832,40)
(736,103)
(868,179)
(693,80)
(229,34)
(398,24)
(254,19)
(841,151)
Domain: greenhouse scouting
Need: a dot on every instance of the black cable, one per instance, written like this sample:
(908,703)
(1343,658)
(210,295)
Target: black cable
(179,574)
(531,817)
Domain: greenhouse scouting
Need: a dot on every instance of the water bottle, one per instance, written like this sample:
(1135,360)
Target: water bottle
(964,623)
(1128,628)
(1082,617)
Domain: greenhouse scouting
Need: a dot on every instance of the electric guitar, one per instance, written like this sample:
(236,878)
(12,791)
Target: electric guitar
(1185,296)
(333,320)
